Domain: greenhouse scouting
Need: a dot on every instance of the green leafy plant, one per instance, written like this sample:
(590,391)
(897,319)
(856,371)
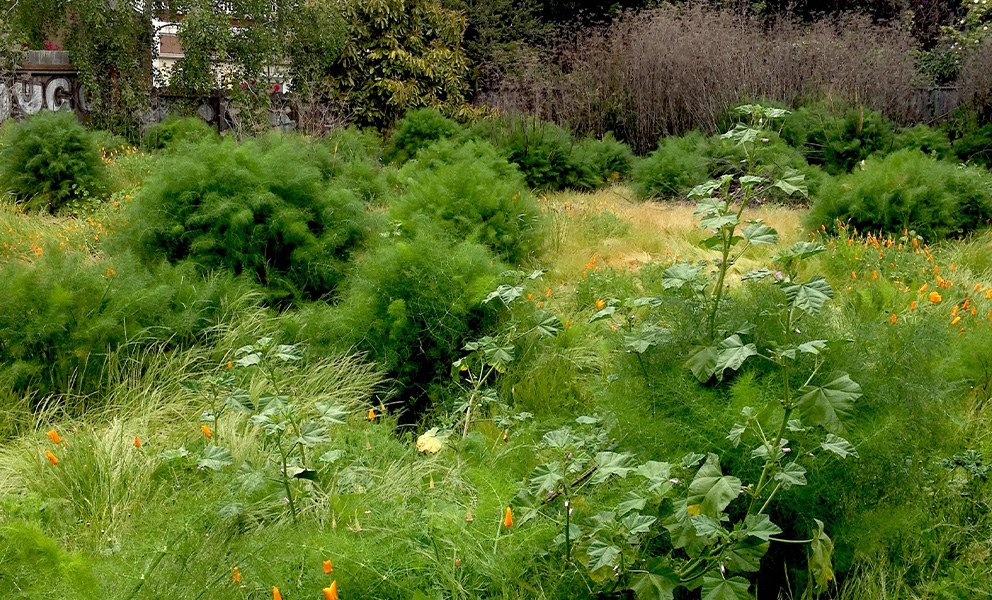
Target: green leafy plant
(490,356)
(719,215)
(290,425)
(710,545)
(50,161)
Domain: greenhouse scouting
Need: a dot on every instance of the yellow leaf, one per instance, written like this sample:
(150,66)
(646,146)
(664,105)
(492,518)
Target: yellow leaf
(430,442)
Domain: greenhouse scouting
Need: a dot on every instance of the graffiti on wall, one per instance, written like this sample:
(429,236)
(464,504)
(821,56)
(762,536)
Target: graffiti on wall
(25,96)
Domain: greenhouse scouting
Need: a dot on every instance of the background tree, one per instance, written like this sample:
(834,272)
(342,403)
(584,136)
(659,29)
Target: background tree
(400,55)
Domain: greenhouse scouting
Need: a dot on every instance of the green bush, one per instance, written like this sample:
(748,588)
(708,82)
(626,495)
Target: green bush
(413,303)
(258,208)
(678,165)
(35,567)
(471,192)
(50,161)
(64,313)
(837,141)
(349,158)
(907,190)
(543,151)
(176,130)
(604,161)
(926,139)
(417,130)
(975,146)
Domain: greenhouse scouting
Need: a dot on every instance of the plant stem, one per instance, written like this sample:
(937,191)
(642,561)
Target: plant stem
(285,480)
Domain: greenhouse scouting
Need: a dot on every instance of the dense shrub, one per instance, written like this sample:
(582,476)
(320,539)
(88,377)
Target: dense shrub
(471,192)
(541,150)
(907,190)
(417,130)
(62,314)
(34,566)
(175,130)
(837,141)
(926,139)
(257,208)
(678,165)
(674,69)
(413,303)
(975,145)
(350,158)
(607,160)
(49,161)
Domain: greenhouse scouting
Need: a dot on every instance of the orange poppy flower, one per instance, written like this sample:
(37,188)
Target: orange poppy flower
(328,567)
(331,593)
(854,275)
(956,321)
(54,436)
(51,457)
(935,297)
(893,318)
(508,518)
(912,305)
(600,304)
(372,415)
(275,593)
(206,431)
(137,442)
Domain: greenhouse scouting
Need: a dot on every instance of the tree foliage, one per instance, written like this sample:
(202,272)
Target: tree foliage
(400,55)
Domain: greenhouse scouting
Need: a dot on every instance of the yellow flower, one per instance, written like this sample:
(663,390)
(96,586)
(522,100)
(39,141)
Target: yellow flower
(331,593)
(51,457)
(693,510)
(54,436)
(328,567)
(956,321)
(508,518)
(235,575)
(600,304)
(935,297)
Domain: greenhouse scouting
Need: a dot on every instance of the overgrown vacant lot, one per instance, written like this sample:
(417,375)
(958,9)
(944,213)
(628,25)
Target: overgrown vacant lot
(424,379)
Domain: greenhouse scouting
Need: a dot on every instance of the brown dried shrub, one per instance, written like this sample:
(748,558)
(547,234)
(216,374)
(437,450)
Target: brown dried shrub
(670,70)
